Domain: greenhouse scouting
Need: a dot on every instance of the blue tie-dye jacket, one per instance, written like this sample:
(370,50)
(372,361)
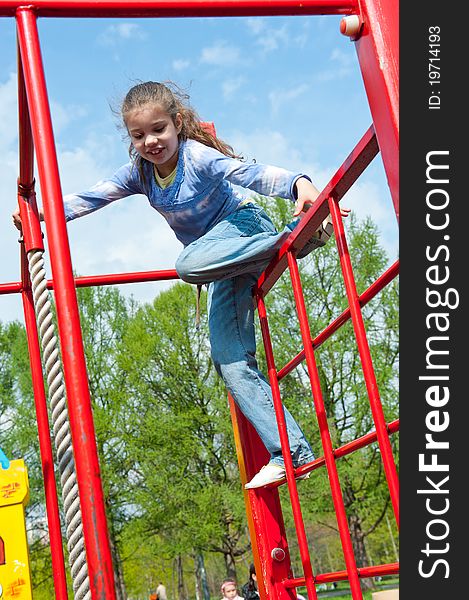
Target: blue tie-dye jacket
(205,189)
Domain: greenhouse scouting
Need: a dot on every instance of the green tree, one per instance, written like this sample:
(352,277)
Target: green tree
(104,316)
(163,426)
(178,431)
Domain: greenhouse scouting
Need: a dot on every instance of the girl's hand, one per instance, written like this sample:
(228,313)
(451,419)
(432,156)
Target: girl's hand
(17,219)
(307,194)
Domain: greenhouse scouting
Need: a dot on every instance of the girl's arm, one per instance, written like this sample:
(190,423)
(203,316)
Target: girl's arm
(263,179)
(124,182)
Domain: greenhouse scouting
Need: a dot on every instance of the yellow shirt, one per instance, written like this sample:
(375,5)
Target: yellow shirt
(164,182)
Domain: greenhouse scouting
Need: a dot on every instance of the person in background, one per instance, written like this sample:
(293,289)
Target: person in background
(250,590)
(161,592)
(229,590)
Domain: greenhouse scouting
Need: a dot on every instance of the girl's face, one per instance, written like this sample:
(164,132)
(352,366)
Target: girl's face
(229,591)
(154,135)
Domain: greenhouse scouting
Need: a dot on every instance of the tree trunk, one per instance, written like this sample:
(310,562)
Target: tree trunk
(180,576)
(359,548)
(201,578)
(121,592)
(356,534)
(230,565)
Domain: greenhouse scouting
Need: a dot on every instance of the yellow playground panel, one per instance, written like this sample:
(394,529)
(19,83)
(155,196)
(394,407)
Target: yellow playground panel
(15,576)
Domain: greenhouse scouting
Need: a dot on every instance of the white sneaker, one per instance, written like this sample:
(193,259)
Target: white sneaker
(325,230)
(269,473)
(319,237)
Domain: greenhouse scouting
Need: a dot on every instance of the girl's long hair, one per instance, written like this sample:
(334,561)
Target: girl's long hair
(172,100)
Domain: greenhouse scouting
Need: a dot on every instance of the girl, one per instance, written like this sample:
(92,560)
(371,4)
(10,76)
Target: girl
(229,590)
(188,176)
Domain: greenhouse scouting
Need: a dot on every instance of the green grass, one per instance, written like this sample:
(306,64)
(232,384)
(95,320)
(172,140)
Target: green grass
(366,595)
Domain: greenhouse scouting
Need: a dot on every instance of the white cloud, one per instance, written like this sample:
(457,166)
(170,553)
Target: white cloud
(343,65)
(273,38)
(180,64)
(8,111)
(256,25)
(281,97)
(64,115)
(114,34)
(231,86)
(221,54)
(272,148)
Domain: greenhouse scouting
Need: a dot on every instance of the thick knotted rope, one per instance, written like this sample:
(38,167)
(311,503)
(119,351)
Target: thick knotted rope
(61,427)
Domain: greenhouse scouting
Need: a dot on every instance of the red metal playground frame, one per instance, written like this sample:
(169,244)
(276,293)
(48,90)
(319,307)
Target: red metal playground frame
(376,43)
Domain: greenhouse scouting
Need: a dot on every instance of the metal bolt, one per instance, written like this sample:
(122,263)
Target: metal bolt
(350,25)
(278,554)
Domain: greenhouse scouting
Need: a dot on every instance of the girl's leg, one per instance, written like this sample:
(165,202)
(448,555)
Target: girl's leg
(231,257)
(232,337)
(244,242)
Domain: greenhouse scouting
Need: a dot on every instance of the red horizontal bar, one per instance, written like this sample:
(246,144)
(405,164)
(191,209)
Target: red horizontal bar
(363,299)
(118,278)
(387,569)
(179,8)
(11,288)
(109,279)
(350,170)
(348,448)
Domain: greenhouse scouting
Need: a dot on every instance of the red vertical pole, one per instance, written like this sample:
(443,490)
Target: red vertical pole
(95,531)
(264,513)
(365,357)
(47,459)
(324,431)
(378,53)
(26,182)
(282,427)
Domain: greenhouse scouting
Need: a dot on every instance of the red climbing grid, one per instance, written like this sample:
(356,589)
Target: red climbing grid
(373,27)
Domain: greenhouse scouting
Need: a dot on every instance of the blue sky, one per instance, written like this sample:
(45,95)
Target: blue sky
(285,91)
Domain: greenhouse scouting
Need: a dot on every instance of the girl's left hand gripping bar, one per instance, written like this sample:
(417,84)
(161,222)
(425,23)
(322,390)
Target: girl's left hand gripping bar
(32,234)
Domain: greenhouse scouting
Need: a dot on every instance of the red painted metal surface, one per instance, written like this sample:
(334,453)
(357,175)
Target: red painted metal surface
(118,278)
(264,512)
(98,552)
(388,569)
(14,287)
(353,166)
(290,472)
(179,8)
(344,450)
(377,50)
(107,279)
(366,361)
(45,446)
(363,299)
(378,54)
(324,430)
(32,236)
